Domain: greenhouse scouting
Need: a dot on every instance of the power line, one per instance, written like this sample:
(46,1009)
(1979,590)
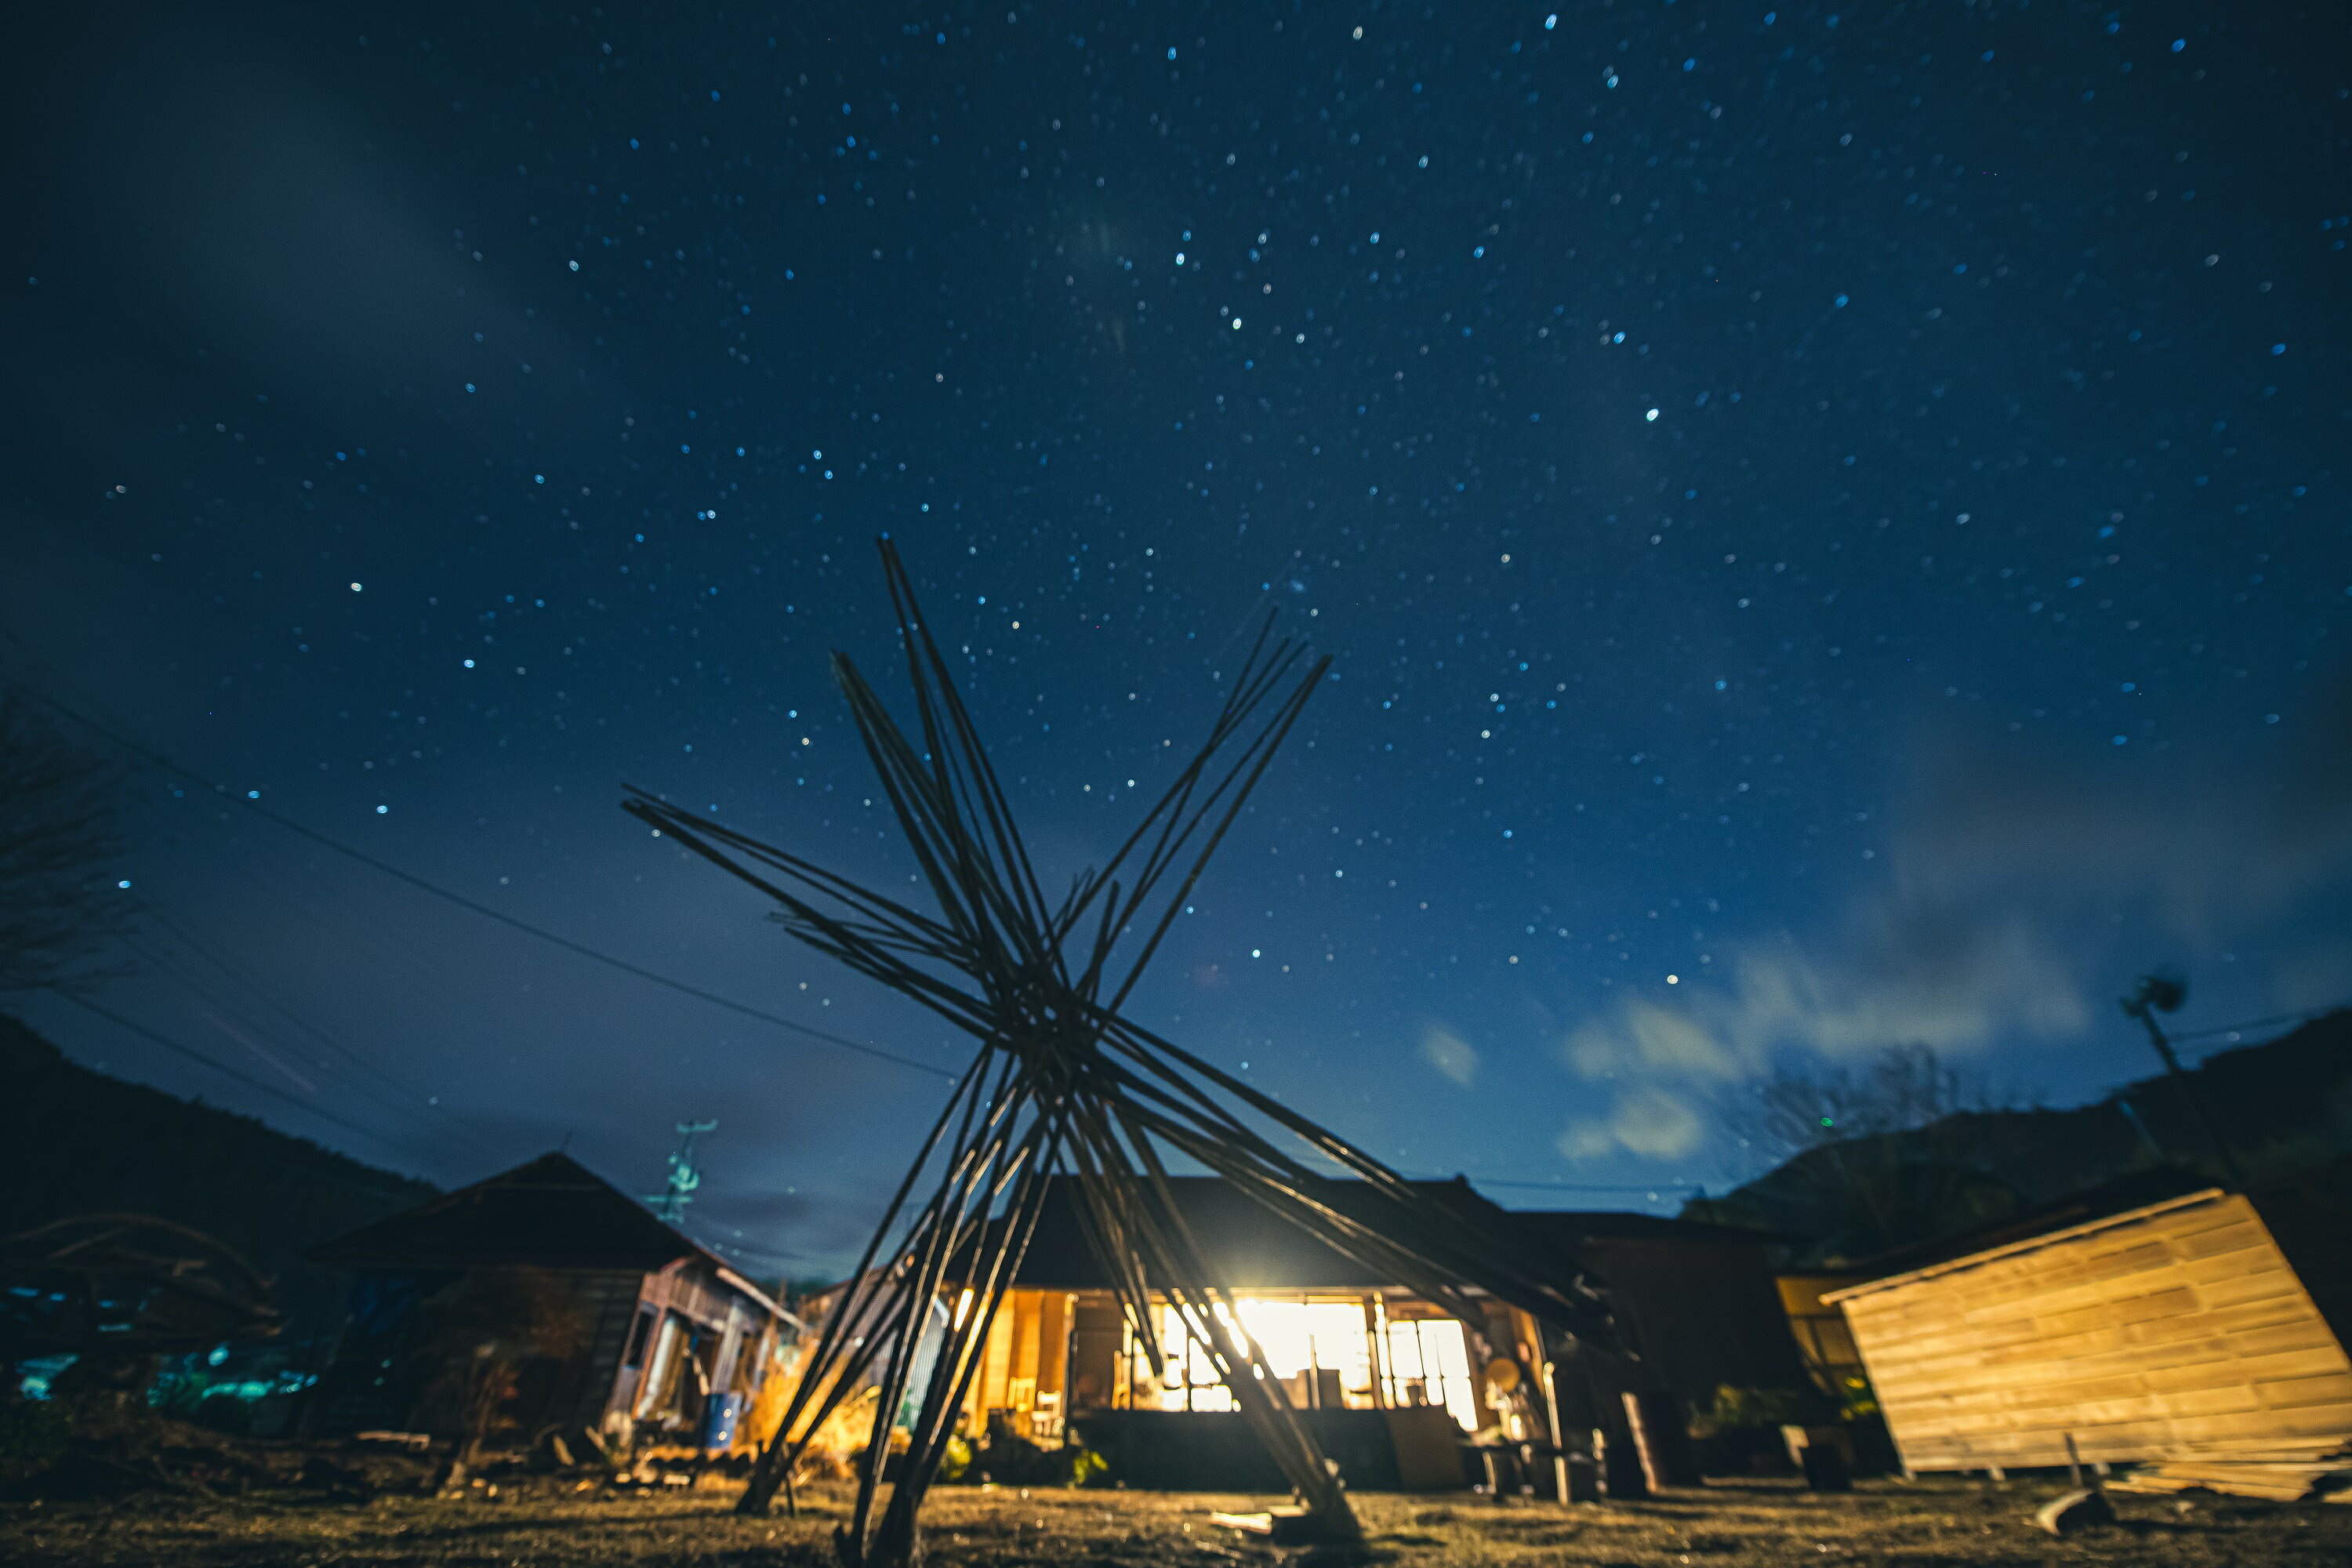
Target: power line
(775,1254)
(1477,1180)
(485,910)
(2305,1016)
(228,1016)
(1651,1187)
(218,1066)
(402,1097)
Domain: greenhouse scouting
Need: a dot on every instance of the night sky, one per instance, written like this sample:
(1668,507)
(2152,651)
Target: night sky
(1831,526)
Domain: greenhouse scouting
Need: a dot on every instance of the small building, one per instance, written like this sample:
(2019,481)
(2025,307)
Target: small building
(2202,1321)
(1696,1302)
(666,1340)
(1823,1341)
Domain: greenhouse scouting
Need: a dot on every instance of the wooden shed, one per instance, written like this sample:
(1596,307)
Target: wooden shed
(2177,1327)
(674,1344)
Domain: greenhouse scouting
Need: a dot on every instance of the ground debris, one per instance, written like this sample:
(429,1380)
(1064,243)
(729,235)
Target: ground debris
(2273,1469)
(2075,1512)
(544,1521)
(112,1452)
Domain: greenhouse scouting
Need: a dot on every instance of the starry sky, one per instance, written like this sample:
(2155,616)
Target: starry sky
(1827,525)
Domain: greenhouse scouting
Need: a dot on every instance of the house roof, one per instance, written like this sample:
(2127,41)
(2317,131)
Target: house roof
(551,1213)
(2157,1185)
(2034,1242)
(1585,1226)
(2329,1182)
(1249,1246)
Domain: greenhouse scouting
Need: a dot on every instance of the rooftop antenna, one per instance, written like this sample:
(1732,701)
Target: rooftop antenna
(669,1203)
(2163,991)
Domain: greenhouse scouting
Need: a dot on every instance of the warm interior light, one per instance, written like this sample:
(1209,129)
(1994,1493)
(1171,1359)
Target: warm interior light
(1319,1349)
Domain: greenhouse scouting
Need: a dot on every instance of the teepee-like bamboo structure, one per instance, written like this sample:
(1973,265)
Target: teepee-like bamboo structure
(1064,1083)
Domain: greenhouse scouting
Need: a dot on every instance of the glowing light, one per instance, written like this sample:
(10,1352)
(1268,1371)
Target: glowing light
(1311,1346)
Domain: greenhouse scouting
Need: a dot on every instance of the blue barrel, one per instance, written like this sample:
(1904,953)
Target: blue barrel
(719,1428)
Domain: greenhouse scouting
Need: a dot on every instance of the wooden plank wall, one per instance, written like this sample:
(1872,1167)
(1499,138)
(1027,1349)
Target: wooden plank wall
(2174,1327)
(1026,1352)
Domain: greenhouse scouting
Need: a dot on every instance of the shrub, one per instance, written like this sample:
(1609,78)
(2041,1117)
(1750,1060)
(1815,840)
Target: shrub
(33,1434)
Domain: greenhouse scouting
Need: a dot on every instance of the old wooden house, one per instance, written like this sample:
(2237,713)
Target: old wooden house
(660,1337)
(1392,1386)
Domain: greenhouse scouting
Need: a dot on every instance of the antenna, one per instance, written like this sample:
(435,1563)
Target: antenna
(2163,991)
(669,1203)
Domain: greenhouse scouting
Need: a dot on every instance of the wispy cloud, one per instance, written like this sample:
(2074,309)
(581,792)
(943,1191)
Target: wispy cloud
(1450,1054)
(1647,1119)
(2017,889)
(2224,836)
(1645,1038)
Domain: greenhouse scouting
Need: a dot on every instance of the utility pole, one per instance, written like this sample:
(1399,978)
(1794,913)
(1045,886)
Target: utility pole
(669,1203)
(2164,993)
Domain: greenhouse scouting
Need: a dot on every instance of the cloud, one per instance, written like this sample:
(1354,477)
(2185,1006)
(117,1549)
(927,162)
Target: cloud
(1450,1055)
(1586,1139)
(2222,835)
(211,176)
(1647,1119)
(1888,978)
(2311,972)
(1644,1036)
(2020,888)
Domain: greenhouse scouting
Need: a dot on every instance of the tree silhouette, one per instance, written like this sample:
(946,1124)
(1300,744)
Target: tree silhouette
(60,824)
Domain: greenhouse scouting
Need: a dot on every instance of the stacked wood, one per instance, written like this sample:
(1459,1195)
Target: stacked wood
(2277,1471)
(2171,1330)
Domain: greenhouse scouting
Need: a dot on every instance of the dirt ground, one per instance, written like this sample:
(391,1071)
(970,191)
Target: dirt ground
(549,1521)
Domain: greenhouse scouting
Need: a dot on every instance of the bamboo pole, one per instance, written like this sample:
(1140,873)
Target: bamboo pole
(1064,1085)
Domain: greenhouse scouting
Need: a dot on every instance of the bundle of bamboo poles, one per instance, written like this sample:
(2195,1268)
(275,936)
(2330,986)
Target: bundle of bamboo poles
(1064,1083)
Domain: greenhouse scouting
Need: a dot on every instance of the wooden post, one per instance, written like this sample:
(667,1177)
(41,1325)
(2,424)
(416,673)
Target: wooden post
(1542,1367)
(1646,1444)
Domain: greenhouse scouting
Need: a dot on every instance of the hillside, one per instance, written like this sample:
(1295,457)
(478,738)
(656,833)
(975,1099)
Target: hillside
(73,1140)
(2285,1107)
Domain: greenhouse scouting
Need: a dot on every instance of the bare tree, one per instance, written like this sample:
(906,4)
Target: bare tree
(1878,1155)
(1898,1090)
(60,825)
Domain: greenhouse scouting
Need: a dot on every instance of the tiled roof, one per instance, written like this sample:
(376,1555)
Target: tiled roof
(1250,1247)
